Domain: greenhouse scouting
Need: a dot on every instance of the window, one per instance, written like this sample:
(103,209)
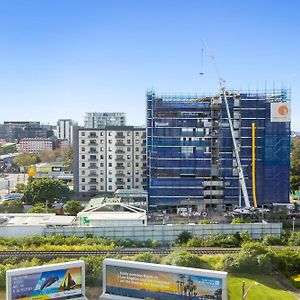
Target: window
(101,142)
(110,187)
(128,173)
(110,141)
(101,180)
(128,149)
(128,141)
(137,180)
(128,187)
(128,133)
(82,133)
(101,133)
(101,164)
(82,149)
(109,179)
(128,179)
(110,156)
(101,149)
(109,172)
(137,141)
(110,164)
(83,172)
(137,133)
(137,157)
(101,187)
(83,188)
(82,156)
(83,164)
(128,156)
(110,149)
(128,164)
(137,172)
(101,172)
(82,141)
(109,134)
(82,179)
(137,149)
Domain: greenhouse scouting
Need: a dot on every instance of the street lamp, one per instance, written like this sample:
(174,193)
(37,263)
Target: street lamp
(245,292)
(294,224)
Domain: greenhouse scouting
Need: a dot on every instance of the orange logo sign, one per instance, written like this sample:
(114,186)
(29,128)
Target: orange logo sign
(283,110)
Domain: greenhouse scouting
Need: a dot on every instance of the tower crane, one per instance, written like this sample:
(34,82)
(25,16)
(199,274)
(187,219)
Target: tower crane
(235,147)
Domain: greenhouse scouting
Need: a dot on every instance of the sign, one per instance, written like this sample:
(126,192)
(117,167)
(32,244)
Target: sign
(56,169)
(153,281)
(59,281)
(281,112)
(32,171)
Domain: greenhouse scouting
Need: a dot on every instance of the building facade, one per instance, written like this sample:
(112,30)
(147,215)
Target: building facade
(103,119)
(191,162)
(109,159)
(36,145)
(64,129)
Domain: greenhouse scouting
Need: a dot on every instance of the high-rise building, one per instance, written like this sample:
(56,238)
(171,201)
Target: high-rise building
(64,129)
(191,162)
(109,159)
(103,119)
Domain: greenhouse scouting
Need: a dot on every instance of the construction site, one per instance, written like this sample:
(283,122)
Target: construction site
(217,152)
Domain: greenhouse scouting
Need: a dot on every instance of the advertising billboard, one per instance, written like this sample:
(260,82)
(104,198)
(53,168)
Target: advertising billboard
(280,112)
(152,281)
(59,281)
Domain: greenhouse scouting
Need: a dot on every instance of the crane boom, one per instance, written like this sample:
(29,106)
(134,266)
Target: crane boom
(235,147)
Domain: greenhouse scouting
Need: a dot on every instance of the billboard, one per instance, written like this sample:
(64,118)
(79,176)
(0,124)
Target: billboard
(58,281)
(153,281)
(280,112)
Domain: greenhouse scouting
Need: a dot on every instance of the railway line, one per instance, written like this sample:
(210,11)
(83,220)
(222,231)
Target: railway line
(122,252)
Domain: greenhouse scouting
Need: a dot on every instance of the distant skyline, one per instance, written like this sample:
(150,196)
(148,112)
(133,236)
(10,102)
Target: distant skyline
(62,58)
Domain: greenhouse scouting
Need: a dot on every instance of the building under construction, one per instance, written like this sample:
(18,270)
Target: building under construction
(191,157)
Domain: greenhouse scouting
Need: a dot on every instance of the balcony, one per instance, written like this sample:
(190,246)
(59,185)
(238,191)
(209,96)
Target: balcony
(120,159)
(120,168)
(119,151)
(120,144)
(93,144)
(120,136)
(93,175)
(92,167)
(120,175)
(120,182)
(93,151)
(93,159)
(92,136)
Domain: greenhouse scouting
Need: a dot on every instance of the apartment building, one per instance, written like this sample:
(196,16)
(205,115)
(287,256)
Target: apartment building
(109,159)
(103,119)
(64,129)
(191,160)
(36,145)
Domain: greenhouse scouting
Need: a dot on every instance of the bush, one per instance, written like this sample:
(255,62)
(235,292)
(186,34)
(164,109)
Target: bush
(183,237)
(184,259)
(295,281)
(272,240)
(294,239)
(146,257)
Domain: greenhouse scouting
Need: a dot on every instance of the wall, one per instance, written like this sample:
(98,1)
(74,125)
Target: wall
(168,233)
(20,231)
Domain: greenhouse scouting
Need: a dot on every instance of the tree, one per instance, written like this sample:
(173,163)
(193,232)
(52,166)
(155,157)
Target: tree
(295,183)
(72,208)
(11,207)
(295,157)
(20,188)
(183,237)
(46,191)
(25,159)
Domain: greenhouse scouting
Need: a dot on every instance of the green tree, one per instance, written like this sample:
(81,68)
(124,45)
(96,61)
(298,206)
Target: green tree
(20,188)
(183,237)
(295,157)
(12,207)
(295,183)
(25,159)
(46,191)
(72,207)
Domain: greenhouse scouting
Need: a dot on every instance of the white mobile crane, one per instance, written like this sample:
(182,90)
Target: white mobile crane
(235,147)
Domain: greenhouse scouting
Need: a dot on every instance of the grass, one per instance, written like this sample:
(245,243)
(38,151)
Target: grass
(268,288)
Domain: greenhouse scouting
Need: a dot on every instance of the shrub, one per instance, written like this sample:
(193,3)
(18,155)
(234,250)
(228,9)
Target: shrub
(272,240)
(183,237)
(184,259)
(146,257)
(294,239)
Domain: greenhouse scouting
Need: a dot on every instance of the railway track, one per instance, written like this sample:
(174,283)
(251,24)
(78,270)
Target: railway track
(122,252)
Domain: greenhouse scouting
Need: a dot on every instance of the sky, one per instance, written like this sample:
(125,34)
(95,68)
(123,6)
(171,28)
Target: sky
(62,58)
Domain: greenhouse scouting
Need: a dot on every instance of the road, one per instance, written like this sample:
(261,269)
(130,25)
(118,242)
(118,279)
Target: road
(9,181)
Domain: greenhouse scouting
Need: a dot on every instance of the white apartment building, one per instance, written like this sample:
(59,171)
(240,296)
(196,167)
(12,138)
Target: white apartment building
(103,119)
(35,145)
(109,159)
(64,129)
